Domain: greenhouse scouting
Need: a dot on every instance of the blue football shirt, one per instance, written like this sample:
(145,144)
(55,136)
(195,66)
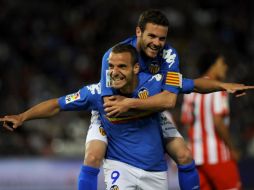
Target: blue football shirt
(132,139)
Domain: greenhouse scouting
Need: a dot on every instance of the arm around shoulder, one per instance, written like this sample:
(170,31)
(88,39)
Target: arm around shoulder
(159,102)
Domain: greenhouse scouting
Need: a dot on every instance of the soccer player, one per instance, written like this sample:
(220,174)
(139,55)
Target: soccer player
(155,56)
(207,118)
(135,150)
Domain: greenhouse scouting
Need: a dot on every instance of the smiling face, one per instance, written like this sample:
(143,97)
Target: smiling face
(123,72)
(152,39)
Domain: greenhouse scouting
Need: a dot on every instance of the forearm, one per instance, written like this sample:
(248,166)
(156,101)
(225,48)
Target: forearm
(162,101)
(45,109)
(203,85)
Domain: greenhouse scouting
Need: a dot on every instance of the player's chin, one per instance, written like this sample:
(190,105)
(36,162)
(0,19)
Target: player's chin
(117,85)
(151,53)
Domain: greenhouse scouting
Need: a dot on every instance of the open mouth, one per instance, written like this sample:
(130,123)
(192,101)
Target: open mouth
(117,82)
(117,79)
(153,48)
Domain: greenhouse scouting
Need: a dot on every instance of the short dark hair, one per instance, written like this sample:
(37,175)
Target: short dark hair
(121,48)
(152,16)
(206,60)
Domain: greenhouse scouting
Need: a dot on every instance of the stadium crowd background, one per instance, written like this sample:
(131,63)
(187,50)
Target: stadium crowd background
(50,48)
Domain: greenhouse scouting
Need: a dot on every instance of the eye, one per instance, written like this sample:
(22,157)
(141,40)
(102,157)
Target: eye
(162,39)
(110,66)
(122,66)
(152,36)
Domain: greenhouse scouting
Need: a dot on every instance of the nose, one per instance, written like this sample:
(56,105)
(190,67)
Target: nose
(114,72)
(156,42)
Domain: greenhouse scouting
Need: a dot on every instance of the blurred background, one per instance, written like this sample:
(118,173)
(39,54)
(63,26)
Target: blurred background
(51,48)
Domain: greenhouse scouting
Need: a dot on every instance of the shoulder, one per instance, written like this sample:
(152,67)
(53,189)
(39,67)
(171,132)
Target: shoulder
(93,89)
(106,54)
(150,79)
(126,41)
(169,53)
(169,59)
(129,40)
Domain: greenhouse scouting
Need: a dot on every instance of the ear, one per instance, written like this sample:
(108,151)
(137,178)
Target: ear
(138,31)
(136,68)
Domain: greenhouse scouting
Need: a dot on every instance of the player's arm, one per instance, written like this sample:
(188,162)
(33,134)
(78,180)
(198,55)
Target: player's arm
(167,100)
(170,86)
(204,85)
(223,132)
(162,101)
(81,100)
(44,109)
(117,105)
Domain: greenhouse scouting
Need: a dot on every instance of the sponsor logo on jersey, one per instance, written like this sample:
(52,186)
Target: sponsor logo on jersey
(102,131)
(114,187)
(154,68)
(72,97)
(143,93)
(174,79)
(95,88)
(108,79)
(157,77)
(169,56)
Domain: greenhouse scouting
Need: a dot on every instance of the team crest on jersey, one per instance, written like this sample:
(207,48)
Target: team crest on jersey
(114,187)
(143,93)
(154,68)
(102,131)
(72,97)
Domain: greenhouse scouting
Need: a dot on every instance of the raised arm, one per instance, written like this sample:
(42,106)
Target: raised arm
(204,85)
(45,109)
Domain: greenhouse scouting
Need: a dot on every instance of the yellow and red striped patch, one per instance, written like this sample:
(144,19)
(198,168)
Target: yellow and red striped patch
(174,79)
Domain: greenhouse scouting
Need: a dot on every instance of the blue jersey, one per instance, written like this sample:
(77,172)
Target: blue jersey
(135,140)
(166,63)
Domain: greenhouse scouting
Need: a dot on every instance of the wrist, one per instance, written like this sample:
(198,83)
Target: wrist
(131,103)
(222,86)
(22,117)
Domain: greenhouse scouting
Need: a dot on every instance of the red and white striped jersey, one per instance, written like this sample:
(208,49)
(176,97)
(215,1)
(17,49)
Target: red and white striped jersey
(197,112)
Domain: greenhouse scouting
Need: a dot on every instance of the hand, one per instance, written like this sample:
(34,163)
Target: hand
(11,122)
(116,105)
(237,89)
